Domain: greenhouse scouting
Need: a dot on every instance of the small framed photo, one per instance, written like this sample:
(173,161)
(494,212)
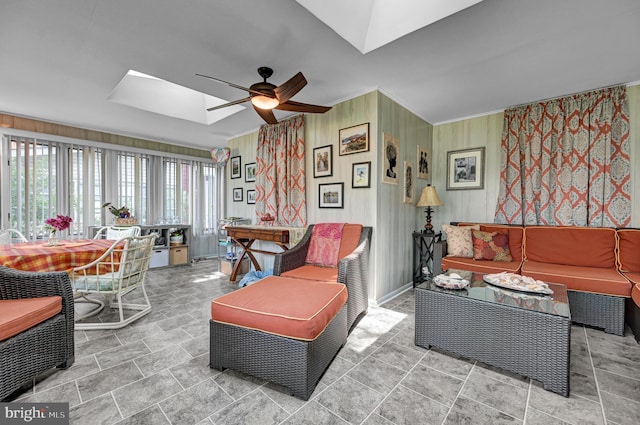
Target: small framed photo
(407,197)
(237,194)
(354,139)
(361,175)
(331,195)
(251,196)
(390,155)
(236,164)
(323,161)
(423,163)
(465,169)
(250,172)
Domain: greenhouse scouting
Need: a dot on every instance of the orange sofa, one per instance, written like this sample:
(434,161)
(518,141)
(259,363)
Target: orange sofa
(585,259)
(629,266)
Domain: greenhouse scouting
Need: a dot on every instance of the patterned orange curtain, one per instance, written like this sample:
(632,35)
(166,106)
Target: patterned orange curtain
(280,176)
(566,162)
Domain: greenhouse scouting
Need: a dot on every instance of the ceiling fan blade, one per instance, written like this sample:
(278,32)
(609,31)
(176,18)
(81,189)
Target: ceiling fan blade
(302,107)
(266,114)
(288,89)
(224,105)
(235,85)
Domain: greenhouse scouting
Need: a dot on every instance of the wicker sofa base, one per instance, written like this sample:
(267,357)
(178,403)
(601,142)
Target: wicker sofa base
(599,310)
(294,364)
(33,352)
(633,318)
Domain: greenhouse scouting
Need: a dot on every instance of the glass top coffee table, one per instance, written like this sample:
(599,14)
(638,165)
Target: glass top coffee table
(524,333)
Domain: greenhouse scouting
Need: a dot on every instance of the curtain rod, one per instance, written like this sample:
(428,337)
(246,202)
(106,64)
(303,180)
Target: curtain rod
(568,94)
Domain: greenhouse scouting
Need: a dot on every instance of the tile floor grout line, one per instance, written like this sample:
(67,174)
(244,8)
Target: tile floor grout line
(595,377)
(459,392)
(526,404)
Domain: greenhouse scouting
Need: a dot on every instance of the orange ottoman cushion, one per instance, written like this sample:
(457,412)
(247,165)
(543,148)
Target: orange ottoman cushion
(19,315)
(293,308)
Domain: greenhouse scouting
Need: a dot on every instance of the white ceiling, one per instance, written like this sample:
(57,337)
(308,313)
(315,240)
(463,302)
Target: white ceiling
(61,59)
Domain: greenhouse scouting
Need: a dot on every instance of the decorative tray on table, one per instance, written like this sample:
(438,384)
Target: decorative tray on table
(517,282)
(452,281)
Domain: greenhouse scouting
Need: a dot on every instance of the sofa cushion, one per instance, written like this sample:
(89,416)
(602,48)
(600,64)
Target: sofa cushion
(491,245)
(628,250)
(311,272)
(579,278)
(292,308)
(459,241)
(19,315)
(571,245)
(635,291)
(480,266)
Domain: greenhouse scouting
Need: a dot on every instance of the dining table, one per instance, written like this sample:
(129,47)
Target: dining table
(41,257)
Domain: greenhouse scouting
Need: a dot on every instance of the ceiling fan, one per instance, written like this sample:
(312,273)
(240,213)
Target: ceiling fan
(265,96)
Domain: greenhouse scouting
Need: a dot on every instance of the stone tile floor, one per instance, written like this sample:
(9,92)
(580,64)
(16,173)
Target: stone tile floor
(156,372)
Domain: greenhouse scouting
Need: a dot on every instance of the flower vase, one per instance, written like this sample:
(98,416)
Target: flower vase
(53,238)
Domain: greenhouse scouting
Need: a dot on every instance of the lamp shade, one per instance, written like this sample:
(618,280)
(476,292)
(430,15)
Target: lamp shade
(429,198)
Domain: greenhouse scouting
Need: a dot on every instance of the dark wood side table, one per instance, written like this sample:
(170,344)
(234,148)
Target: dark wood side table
(245,236)
(423,243)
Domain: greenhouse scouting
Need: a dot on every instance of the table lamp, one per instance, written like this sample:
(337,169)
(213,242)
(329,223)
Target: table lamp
(429,198)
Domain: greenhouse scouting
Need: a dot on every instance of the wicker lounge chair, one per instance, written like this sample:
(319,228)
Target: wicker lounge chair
(45,345)
(353,270)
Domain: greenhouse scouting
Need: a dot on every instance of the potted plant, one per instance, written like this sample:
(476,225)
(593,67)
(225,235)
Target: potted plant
(122,215)
(176,237)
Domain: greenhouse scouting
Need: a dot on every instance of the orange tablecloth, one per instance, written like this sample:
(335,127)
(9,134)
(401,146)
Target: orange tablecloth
(36,256)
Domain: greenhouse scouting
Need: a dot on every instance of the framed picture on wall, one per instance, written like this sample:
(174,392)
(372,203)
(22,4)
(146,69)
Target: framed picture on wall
(361,175)
(237,194)
(331,195)
(390,155)
(323,161)
(354,139)
(407,196)
(235,167)
(250,172)
(423,163)
(251,196)
(465,169)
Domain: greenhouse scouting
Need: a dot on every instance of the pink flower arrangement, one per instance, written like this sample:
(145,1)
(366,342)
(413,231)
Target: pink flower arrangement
(61,222)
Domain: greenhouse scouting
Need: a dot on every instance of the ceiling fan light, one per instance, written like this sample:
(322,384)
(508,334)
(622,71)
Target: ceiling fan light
(264,102)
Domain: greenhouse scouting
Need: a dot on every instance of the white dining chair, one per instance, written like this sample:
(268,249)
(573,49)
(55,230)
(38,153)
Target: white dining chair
(11,235)
(117,232)
(118,272)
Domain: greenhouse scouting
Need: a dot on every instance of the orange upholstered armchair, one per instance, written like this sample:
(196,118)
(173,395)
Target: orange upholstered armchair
(334,252)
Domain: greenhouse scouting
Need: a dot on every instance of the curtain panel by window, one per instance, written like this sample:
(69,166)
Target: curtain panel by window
(280,174)
(566,162)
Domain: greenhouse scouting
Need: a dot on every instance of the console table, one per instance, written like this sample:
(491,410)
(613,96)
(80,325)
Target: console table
(245,236)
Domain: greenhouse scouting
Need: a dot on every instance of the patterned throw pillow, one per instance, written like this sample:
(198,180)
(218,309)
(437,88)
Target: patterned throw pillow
(491,245)
(459,242)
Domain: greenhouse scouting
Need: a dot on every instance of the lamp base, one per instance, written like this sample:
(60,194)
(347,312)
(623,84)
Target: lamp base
(428,227)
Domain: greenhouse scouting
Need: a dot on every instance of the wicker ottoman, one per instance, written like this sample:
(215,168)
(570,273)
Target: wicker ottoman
(283,330)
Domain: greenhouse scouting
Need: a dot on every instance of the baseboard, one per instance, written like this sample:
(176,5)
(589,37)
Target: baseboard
(394,294)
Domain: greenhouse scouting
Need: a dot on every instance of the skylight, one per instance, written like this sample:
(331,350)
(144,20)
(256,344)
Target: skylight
(153,94)
(370,24)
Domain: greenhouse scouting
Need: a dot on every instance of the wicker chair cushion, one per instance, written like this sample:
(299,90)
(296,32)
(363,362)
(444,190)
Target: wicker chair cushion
(571,245)
(628,243)
(18,315)
(350,239)
(282,306)
(323,274)
(587,279)
(480,266)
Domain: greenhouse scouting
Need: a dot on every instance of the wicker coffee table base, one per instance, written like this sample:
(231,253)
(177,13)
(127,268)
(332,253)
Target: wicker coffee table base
(294,364)
(521,341)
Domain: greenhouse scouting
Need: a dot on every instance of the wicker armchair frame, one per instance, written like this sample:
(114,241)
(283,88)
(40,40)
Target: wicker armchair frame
(294,364)
(353,270)
(47,345)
